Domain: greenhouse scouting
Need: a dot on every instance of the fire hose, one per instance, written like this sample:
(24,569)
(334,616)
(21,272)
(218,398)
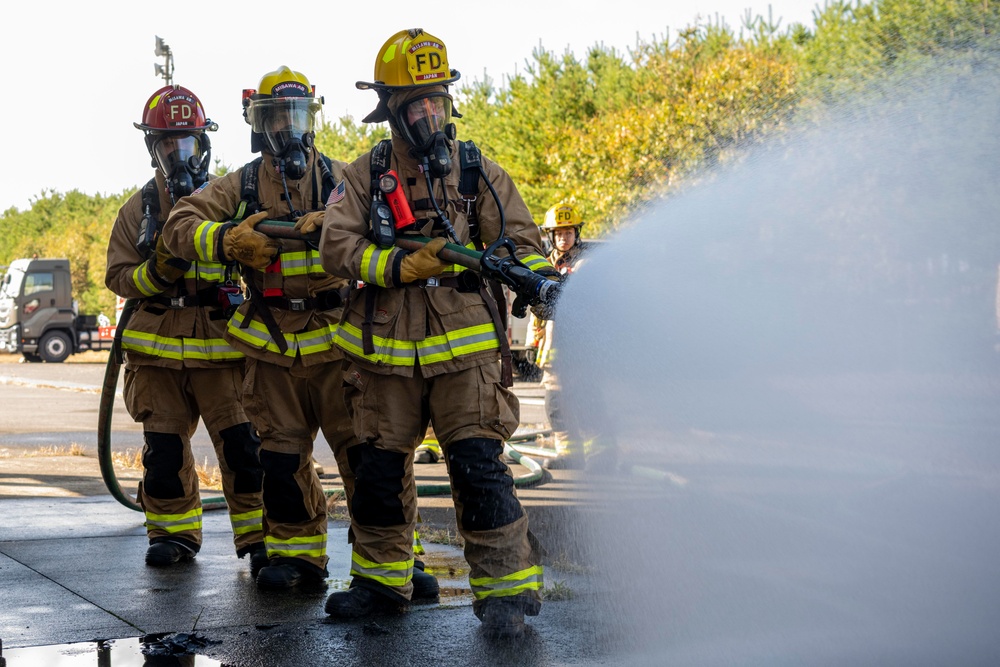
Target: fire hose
(529,287)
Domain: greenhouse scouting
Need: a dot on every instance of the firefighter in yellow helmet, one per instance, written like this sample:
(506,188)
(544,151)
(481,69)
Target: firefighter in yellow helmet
(423,341)
(562,223)
(177,368)
(294,384)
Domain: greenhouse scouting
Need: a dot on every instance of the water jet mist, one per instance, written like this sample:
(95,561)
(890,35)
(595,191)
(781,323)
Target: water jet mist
(803,347)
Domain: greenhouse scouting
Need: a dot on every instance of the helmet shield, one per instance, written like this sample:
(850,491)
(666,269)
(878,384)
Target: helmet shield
(425,118)
(283,121)
(174,148)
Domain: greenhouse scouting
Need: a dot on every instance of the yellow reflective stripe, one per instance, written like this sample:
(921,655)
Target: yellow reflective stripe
(449,345)
(153,345)
(313,545)
(535,262)
(210,271)
(256,334)
(209,349)
(175,523)
(458,342)
(373,262)
(204,240)
(247,522)
(418,548)
(387,350)
(306,342)
(144,281)
(301,263)
(396,573)
(318,340)
(528,579)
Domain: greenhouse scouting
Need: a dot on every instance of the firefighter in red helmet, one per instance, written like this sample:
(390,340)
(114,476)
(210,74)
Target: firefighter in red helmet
(177,368)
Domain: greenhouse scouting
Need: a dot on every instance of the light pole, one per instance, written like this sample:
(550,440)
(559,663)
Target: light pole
(165,70)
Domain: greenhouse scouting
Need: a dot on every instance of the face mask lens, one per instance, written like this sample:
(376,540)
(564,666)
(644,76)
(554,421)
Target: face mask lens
(173,149)
(284,121)
(426,117)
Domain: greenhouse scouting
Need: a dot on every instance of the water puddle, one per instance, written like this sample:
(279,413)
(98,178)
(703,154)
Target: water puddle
(165,650)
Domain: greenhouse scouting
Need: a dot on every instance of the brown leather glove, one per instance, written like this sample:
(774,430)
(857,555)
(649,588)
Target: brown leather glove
(169,268)
(309,222)
(423,263)
(247,246)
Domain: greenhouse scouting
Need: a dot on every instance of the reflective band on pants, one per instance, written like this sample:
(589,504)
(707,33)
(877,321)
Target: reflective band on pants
(389,574)
(175,523)
(529,579)
(295,547)
(248,522)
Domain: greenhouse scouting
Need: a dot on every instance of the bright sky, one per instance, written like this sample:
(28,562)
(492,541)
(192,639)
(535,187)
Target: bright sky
(86,69)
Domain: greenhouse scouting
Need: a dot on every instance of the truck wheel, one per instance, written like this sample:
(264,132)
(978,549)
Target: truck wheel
(54,347)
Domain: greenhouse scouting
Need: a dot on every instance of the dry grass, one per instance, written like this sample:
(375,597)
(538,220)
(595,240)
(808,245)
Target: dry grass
(336,506)
(557,591)
(440,536)
(74,449)
(209,476)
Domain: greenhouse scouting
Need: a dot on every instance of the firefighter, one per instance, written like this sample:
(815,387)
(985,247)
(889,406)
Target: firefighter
(177,367)
(563,224)
(423,343)
(293,386)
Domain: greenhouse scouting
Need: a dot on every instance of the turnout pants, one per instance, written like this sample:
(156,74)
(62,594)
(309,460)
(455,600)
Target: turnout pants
(168,403)
(472,414)
(289,406)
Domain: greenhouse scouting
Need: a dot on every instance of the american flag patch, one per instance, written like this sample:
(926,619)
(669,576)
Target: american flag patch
(337,194)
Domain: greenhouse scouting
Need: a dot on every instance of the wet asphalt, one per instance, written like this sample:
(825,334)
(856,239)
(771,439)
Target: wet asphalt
(74,588)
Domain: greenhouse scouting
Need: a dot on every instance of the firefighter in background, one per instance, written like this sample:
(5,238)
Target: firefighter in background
(563,224)
(423,343)
(177,365)
(294,383)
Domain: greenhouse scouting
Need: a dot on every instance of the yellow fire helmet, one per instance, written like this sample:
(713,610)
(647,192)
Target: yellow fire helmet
(561,216)
(409,59)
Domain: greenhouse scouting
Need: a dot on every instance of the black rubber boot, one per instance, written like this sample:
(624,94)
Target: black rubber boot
(502,618)
(425,586)
(285,576)
(258,559)
(161,554)
(361,601)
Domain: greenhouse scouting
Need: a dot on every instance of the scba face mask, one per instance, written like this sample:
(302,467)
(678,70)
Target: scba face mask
(426,124)
(183,160)
(287,126)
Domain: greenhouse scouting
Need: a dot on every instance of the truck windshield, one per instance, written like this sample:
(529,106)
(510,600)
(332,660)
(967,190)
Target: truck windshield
(12,283)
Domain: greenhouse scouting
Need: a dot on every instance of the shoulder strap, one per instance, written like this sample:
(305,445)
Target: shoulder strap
(151,199)
(326,166)
(470,160)
(380,158)
(249,201)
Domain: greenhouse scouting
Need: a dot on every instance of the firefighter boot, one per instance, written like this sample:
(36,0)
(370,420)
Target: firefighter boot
(168,552)
(362,601)
(258,559)
(285,575)
(425,586)
(502,618)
